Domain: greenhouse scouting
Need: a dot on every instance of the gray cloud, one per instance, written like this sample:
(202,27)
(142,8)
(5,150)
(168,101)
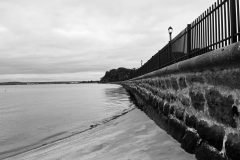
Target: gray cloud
(60,38)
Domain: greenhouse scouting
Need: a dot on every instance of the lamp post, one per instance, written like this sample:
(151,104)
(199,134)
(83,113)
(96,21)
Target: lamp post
(170,30)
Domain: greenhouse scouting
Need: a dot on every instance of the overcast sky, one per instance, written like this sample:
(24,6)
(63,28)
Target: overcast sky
(45,40)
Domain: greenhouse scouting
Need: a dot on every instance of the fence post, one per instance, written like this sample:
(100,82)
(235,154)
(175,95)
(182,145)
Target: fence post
(189,37)
(170,57)
(159,65)
(233,21)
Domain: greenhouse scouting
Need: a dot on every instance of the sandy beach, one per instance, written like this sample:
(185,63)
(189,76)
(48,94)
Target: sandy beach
(132,136)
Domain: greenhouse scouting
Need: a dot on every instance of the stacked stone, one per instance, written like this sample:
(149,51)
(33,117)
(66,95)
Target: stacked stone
(157,98)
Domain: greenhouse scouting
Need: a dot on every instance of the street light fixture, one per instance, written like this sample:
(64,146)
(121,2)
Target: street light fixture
(170,30)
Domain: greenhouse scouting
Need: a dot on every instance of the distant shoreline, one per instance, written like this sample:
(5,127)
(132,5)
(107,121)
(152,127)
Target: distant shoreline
(54,82)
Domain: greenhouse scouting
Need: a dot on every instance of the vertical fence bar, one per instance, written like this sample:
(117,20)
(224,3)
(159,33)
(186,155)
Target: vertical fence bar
(205,31)
(208,28)
(233,21)
(197,32)
(238,20)
(213,27)
(188,40)
(194,35)
(195,39)
(215,22)
(219,25)
(222,33)
(225,23)
(229,22)
(191,30)
(202,32)
(195,29)
(212,21)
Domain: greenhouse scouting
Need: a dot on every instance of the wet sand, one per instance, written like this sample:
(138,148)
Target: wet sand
(132,136)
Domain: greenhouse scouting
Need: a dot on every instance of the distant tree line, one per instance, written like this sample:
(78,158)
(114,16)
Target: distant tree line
(56,82)
(119,74)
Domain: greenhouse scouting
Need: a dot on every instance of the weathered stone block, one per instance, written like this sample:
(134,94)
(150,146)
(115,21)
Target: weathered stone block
(202,127)
(172,109)
(166,109)
(195,78)
(191,121)
(182,83)
(220,107)
(173,97)
(168,83)
(168,97)
(160,106)
(235,112)
(213,134)
(162,84)
(197,100)
(185,101)
(179,113)
(164,122)
(174,84)
(155,102)
(176,128)
(161,94)
(227,77)
(190,141)
(233,146)
(206,152)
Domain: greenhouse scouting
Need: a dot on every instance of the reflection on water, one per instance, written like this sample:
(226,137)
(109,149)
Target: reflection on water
(116,95)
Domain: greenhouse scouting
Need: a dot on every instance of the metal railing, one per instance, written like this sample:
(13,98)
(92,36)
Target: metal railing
(217,27)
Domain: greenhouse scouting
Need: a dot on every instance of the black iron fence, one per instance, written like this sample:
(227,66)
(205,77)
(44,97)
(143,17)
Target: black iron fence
(217,27)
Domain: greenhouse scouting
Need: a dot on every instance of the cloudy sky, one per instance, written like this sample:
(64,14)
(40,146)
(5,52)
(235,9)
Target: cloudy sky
(45,40)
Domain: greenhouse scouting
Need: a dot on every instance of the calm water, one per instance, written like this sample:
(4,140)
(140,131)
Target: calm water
(31,115)
(49,122)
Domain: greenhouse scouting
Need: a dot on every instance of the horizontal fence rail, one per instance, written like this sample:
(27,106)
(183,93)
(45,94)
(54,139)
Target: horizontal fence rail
(217,27)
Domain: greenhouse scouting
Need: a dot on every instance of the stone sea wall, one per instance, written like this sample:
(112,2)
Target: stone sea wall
(197,102)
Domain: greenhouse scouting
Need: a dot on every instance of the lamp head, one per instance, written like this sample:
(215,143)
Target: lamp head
(170,30)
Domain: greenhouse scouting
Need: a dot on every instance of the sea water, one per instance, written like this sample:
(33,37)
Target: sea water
(31,114)
(34,116)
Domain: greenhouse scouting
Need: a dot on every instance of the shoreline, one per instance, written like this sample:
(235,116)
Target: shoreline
(129,136)
(42,83)
(59,137)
